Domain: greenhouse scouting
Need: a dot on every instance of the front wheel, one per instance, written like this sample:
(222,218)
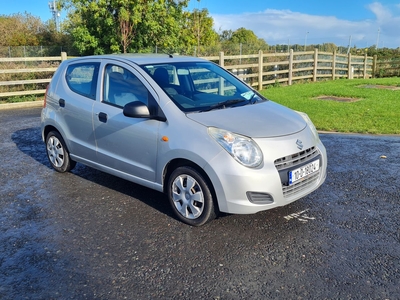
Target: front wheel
(57,153)
(190,196)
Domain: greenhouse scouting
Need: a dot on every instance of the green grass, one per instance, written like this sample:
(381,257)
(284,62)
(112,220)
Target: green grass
(16,99)
(376,112)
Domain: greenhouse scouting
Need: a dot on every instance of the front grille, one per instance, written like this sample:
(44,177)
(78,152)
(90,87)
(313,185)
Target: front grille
(290,162)
(296,159)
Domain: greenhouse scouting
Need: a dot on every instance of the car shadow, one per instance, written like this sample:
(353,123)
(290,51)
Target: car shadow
(29,142)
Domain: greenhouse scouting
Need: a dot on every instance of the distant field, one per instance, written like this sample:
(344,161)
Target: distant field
(358,105)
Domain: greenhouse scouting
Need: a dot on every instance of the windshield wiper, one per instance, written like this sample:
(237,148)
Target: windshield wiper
(251,98)
(224,104)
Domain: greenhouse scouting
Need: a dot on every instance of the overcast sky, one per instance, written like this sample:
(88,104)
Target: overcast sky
(365,22)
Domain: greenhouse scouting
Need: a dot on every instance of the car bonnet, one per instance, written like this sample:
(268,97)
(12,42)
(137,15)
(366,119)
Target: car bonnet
(261,120)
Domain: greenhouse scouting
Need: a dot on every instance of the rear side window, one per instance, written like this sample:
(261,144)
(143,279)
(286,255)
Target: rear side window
(82,79)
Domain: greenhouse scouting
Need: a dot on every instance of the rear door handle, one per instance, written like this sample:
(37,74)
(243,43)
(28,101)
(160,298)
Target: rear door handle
(102,117)
(61,102)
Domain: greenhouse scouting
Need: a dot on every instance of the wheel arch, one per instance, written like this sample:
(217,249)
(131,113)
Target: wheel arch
(49,128)
(180,162)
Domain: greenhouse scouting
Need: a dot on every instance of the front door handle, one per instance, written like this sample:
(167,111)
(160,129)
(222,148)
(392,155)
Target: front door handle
(61,102)
(102,117)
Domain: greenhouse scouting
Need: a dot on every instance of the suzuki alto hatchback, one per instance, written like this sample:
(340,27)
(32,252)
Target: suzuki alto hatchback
(183,126)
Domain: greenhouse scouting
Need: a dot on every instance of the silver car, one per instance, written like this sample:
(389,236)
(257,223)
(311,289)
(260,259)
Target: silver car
(183,126)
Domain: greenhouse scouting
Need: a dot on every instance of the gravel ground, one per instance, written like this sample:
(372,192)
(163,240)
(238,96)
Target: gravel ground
(89,235)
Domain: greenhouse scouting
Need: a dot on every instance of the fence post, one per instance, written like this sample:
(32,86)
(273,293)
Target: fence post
(365,66)
(315,64)
(290,75)
(260,70)
(349,68)
(374,66)
(63,56)
(334,65)
(221,59)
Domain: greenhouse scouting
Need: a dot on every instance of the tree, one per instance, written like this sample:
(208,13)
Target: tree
(53,38)
(244,38)
(202,27)
(225,35)
(107,26)
(20,30)
(329,47)
(28,30)
(197,32)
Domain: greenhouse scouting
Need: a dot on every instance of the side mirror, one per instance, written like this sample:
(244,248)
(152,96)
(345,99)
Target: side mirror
(136,109)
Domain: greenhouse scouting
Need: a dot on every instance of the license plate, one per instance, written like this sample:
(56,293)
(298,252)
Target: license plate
(302,172)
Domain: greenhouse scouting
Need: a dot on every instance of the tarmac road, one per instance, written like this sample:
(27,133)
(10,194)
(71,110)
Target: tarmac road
(89,235)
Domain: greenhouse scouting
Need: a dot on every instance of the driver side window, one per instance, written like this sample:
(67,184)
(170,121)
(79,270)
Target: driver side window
(122,86)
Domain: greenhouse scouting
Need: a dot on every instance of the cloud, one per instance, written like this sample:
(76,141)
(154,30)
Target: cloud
(283,26)
(380,12)
(387,22)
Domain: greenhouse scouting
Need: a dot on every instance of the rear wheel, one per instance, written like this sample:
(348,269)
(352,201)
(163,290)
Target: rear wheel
(57,153)
(190,196)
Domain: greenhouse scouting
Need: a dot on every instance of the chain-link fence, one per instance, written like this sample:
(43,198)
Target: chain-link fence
(34,51)
(242,49)
(202,50)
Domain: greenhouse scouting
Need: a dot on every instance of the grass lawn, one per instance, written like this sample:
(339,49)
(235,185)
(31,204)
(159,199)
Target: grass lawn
(373,109)
(17,99)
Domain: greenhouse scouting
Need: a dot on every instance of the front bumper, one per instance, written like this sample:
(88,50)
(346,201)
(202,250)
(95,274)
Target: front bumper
(242,190)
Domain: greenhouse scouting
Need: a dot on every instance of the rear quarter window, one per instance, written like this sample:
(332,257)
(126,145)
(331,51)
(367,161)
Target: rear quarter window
(82,79)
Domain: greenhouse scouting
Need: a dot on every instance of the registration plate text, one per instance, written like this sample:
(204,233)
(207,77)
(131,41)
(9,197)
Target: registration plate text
(302,172)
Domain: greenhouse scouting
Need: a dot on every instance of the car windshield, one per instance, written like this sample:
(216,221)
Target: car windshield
(201,86)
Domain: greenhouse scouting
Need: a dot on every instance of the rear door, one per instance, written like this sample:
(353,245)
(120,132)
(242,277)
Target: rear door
(76,97)
(128,145)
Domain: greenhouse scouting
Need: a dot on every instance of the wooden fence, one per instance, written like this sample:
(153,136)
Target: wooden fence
(289,67)
(285,68)
(387,67)
(32,70)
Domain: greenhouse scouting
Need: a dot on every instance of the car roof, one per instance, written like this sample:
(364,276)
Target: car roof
(143,59)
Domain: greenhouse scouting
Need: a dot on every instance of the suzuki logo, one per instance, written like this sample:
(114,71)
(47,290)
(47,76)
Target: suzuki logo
(299,144)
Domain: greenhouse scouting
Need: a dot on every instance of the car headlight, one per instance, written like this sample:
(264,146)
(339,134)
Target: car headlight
(309,123)
(243,149)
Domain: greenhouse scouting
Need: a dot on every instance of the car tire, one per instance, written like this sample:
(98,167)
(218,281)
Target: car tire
(190,197)
(57,153)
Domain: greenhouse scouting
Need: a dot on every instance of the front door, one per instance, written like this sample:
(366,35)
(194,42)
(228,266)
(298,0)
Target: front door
(128,145)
